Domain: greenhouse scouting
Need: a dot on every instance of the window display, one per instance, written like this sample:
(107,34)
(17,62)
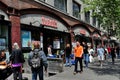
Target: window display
(2,43)
(26,39)
(56,44)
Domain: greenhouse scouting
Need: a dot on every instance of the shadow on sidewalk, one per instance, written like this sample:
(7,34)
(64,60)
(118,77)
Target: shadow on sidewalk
(107,69)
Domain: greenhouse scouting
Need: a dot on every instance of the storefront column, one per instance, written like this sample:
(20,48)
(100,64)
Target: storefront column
(92,43)
(15,29)
(72,36)
(102,41)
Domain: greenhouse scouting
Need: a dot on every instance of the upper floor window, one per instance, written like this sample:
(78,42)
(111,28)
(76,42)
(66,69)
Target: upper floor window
(76,10)
(41,0)
(87,16)
(61,5)
(94,21)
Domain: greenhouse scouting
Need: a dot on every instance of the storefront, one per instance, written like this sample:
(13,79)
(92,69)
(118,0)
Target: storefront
(96,39)
(105,40)
(5,31)
(45,29)
(82,34)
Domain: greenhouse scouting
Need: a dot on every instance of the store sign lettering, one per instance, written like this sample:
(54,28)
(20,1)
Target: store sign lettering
(49,22)
(82,31)
(96,35)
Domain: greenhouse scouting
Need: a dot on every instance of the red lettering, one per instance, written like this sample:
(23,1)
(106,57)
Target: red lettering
(49,22)
(82,31)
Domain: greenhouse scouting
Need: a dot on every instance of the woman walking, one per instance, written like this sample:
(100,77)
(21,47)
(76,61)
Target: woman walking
(67,54)
(113,54)
(17,59)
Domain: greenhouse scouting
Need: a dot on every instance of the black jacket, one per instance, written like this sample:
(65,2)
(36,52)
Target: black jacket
(17,56)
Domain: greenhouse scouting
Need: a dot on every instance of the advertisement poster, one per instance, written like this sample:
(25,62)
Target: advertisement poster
(2,43)
(26,39)
(56,44)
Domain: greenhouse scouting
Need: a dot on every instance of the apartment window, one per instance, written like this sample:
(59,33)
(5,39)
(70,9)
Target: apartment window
(76,10)
(87,16)
(41,0)
(60,4)
(99,24)
(94,21)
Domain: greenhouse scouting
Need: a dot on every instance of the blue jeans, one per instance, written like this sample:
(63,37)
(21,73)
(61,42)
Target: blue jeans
(68,61)
(86,59)
(36,72)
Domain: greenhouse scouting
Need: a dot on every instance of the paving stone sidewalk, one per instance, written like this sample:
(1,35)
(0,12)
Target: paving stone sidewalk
(94,72)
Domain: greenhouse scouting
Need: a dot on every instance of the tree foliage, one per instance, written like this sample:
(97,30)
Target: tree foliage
(106,11)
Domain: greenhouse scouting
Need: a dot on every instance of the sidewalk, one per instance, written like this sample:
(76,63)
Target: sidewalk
(94,72)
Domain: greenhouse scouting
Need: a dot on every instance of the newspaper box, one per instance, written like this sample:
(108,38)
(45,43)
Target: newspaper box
(55,65)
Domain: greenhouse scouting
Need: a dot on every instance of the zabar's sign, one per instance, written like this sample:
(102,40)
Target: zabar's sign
(82,31)
(49,22)
(96,35)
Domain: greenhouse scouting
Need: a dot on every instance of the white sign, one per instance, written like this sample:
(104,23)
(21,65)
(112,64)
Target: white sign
(56,44)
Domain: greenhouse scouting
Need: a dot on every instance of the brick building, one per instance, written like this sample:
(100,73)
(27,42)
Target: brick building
(49,21)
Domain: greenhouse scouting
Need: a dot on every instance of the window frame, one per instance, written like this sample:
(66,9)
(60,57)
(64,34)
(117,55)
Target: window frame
(79,10)
(87,16)
(59,5)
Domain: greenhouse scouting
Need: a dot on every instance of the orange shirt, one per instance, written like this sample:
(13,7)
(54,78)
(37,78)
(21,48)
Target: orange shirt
(78,51)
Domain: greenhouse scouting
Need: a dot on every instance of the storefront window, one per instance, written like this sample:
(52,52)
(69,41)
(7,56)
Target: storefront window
(56,44)
(3,37)
(26,38)
(76,10)
(60,4)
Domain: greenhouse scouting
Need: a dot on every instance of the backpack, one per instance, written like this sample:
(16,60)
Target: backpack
(36,60)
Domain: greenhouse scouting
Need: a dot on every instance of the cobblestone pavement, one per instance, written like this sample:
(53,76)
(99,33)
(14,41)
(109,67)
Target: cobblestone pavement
(94,72)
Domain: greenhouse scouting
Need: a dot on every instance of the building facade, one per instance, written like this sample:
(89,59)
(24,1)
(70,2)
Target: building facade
(50,22)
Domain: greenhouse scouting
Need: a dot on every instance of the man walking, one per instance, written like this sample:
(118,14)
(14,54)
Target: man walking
(78,51)
(85,55)
(100,52)
(37,60)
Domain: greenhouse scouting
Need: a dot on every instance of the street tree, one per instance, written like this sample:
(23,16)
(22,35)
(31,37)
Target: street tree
(107,13)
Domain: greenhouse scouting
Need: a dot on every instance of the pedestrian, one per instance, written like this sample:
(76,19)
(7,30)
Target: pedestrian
(91,54)
(118,51)
(50,51)
(17,60)
(85,55)
(67,55)
(37,59)
(72,58)
(109,51)
(7,55)
(5,69)
(113,55)
(78,51)
(100,52)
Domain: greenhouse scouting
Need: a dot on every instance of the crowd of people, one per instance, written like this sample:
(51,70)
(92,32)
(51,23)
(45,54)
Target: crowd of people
(82,52)
(14,63)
